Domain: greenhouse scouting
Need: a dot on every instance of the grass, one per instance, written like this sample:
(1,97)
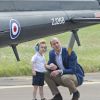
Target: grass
(88,53)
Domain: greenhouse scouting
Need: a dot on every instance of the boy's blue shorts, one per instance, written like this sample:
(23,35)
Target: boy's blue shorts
(38,80)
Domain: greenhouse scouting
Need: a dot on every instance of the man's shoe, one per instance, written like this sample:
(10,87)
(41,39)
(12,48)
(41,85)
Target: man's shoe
(76,96)
(57,97)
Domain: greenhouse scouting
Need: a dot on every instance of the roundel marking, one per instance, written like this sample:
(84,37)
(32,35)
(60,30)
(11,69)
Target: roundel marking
(14,29)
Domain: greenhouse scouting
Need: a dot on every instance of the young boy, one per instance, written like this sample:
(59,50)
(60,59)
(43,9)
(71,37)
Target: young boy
(38,69)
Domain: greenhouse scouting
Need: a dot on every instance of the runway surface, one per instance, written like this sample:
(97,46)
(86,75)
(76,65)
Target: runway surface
(19,88)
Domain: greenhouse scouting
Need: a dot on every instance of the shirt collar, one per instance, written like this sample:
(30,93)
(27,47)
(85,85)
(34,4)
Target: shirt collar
(39,54)
(59,53)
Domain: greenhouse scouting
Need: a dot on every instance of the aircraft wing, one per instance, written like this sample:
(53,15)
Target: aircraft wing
(86,20)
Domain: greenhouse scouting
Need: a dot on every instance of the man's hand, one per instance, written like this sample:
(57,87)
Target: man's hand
(55,73)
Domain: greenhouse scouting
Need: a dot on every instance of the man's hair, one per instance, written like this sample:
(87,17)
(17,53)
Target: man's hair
(54,38)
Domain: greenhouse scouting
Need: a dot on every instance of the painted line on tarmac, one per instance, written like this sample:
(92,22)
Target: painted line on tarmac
(27,86)
(11,87)
(91,83)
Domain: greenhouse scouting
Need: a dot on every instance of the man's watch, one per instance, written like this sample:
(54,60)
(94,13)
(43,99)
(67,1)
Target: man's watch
(60,71)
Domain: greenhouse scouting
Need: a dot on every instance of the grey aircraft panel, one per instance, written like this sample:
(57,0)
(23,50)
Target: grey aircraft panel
(25,20)
(48,5)
(38,24)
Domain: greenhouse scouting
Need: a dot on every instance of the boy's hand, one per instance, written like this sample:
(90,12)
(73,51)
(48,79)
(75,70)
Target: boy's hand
(34,73)
(53,66)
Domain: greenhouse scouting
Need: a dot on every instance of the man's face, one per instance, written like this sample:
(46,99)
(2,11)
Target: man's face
(42,48)
(55,44)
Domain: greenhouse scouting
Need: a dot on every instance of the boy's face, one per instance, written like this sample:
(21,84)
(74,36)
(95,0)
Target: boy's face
(42,48)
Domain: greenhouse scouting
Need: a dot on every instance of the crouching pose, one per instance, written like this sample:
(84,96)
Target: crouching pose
(64,70)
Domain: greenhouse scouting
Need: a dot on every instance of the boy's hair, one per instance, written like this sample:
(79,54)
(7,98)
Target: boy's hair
(39,43)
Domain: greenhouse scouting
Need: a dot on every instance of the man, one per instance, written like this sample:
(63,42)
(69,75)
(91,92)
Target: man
(64,71)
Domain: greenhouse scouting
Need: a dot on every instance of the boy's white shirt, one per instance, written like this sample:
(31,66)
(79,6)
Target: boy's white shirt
(38,63)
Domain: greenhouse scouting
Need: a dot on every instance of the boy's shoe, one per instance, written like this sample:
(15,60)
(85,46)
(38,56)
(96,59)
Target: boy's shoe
(76,95)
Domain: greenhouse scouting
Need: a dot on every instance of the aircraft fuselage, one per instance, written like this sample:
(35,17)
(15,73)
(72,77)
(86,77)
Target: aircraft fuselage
(24,20)
(33,25)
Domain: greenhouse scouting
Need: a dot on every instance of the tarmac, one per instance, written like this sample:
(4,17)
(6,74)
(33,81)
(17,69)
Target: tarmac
(20,88)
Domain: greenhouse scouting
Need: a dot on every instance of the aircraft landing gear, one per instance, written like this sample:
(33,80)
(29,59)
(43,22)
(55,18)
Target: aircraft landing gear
(15,51)
(74,36)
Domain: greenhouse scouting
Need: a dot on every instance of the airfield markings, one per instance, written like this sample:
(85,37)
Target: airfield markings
(27,86)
